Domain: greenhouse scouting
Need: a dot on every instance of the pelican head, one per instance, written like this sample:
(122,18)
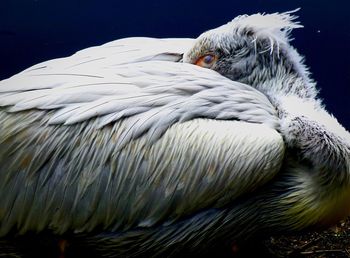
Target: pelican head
(255,50)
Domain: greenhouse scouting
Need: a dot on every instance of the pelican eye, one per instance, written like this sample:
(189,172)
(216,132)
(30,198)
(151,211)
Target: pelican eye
(206,61)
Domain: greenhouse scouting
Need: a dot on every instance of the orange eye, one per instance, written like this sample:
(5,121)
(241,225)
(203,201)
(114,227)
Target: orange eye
(206,61)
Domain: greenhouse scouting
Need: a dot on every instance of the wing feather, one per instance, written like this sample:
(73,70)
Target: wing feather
(110,83)
(111,138)
(76,178)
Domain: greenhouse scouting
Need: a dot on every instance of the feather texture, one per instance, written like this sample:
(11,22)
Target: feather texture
(112,84)
(95,184)
(88,129)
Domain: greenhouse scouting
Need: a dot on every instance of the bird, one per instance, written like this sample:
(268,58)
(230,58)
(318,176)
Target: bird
(165,147)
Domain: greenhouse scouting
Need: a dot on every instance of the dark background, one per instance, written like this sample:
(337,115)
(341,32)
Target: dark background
(32,31)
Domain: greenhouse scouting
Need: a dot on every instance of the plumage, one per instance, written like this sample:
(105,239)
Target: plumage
(154,102)
(131,150)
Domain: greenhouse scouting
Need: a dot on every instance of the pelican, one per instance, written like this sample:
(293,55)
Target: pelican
(165,147)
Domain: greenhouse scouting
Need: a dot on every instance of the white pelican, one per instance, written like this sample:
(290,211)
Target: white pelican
(124,150)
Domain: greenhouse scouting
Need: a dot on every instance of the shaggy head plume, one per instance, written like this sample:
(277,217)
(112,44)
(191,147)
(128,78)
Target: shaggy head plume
(275,26)
(254,49)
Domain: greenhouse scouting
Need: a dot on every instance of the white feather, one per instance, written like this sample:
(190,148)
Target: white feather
(137,78)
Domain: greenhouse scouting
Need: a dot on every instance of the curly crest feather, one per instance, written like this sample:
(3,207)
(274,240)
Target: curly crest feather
(276,26)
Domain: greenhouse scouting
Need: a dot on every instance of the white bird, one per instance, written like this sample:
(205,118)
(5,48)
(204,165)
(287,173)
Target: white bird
(126,150)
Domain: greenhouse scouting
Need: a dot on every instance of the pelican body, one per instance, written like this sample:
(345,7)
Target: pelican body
(131,150)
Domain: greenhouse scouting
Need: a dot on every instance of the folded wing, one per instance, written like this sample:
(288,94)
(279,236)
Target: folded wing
(122,141)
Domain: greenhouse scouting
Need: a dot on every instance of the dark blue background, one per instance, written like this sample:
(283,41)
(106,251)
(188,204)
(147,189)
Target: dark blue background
(32,31)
